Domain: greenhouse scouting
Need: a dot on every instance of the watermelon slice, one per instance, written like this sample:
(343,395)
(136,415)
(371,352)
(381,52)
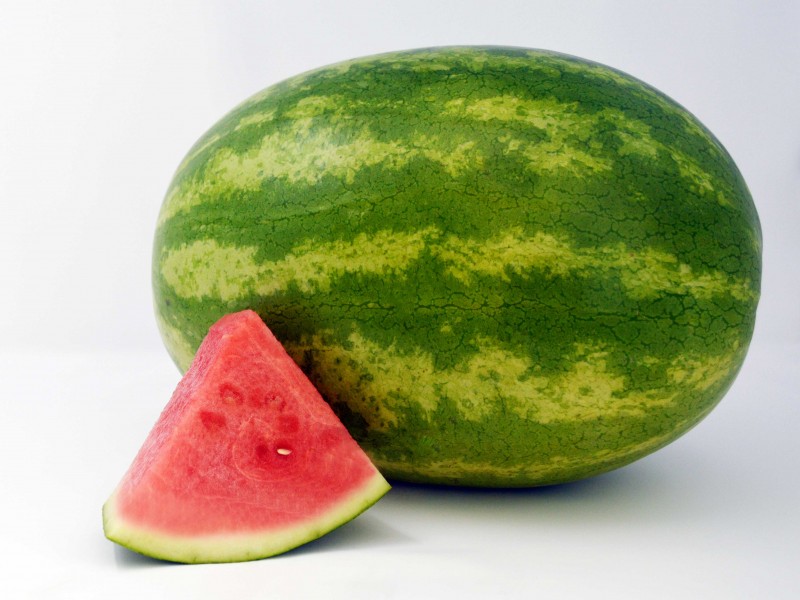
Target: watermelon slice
(246,461)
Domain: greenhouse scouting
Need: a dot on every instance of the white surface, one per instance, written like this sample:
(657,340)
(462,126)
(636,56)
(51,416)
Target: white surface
(100,101)
(714,515)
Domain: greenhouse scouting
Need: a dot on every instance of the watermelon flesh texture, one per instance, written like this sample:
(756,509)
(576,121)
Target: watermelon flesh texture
(246,461)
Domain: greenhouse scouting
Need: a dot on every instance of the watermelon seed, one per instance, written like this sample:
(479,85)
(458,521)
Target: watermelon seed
(262,451)
(284,451)
(212,420)
(230,394)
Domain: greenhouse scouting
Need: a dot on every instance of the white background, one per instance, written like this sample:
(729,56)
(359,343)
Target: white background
(99,101)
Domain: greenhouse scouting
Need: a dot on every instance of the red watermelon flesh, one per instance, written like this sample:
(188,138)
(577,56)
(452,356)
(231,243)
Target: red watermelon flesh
(246,461)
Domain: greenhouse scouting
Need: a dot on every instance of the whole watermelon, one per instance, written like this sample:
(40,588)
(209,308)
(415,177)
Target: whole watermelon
(501,266)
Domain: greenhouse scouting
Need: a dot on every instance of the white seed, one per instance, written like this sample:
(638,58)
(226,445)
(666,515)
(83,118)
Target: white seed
(283,451)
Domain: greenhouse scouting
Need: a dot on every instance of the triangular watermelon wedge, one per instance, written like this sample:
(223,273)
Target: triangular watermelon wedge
(246,461)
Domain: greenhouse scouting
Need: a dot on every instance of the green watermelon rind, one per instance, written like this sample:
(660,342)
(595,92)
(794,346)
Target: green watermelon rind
(238,547)
(500,266)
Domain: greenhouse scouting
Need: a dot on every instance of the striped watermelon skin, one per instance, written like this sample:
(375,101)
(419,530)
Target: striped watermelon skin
(501,266)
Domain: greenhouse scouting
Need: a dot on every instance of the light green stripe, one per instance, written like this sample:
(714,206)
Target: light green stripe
(704,372)
(205,268)
(571,132)
(305,153)
(334,105)
(248,120)
(644,274)
(313,146)
(589,389)
(297,154)
(637,89)
(568,131)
